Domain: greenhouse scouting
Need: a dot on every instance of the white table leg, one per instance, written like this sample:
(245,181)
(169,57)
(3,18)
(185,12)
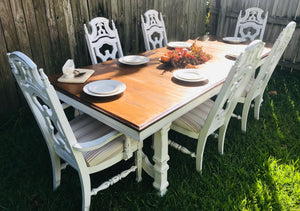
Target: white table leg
(160,159)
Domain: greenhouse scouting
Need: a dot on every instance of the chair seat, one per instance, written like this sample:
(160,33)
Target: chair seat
(194,120)
(87,129)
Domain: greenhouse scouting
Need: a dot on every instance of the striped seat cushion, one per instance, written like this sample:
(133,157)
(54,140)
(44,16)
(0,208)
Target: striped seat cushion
(195,119)
(87,129)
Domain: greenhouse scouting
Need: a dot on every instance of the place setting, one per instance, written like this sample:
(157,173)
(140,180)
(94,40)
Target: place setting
(190,76)
(134,60)
(234,40)
(74,75)
(104,88)
(179,44)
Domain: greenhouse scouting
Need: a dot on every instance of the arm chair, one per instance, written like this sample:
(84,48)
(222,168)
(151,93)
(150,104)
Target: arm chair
(103,42)
(256,87)
(252,25)
(211,116)
(84,143)
(154,31)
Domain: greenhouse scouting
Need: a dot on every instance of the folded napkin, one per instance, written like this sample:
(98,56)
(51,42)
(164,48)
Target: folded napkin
(68,69)
(72,75)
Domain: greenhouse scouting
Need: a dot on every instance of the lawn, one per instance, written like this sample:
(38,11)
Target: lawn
(260,170)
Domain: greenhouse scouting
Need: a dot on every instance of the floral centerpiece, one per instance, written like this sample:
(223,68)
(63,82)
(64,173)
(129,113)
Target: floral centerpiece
(186,58)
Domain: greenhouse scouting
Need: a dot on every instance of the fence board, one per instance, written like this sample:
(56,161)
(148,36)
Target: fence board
(62,32)
(33,33)
(44,35)
(21,30)
(224,15)
(51,31)
(80,16)
(10,99)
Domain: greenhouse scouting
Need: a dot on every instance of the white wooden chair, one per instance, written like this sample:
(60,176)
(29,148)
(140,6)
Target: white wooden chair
(103,41)
(252,25)
(84,143)
(210,116)
(154,30)
(256,87)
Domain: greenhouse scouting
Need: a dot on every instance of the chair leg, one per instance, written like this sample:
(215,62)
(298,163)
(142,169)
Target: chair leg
(222,133)
(258,100)
(138,161)
(56,170)
(246,108)
(85,189)
(200,151)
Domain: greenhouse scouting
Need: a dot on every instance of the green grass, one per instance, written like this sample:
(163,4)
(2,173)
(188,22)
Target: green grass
(260,170)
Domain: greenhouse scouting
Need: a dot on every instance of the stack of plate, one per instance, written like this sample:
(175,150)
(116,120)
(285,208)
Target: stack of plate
(189,75)
(179,44)
(234,40)
(104,88)
(134,60)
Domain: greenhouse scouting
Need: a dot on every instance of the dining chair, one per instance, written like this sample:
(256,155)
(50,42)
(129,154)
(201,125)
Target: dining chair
(252,25)
(84,143)
(255,89)
(154,30)
(103,42)
(210,116)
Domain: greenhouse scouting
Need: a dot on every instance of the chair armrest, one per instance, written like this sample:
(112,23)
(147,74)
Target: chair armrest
(96,143)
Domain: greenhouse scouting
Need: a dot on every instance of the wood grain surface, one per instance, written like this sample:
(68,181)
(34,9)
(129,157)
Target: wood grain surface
(151,92)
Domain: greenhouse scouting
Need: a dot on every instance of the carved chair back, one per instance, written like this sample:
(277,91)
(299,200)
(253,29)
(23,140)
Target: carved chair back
(154,30)
(45,105)
(260,82)
(273,58)
(252,25)
(103,41)
(106,148)
(211,116)
(233,87)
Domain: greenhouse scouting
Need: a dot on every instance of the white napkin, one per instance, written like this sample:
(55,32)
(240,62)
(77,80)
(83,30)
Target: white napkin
(68,69)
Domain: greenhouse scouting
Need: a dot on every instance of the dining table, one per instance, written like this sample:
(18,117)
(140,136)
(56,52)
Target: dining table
(152,97)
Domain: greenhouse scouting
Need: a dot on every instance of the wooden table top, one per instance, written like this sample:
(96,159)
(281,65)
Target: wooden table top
(152,92)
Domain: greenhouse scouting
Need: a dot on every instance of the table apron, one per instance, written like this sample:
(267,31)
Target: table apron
(148,131)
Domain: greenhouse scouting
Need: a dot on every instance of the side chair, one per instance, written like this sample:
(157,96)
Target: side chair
(256,87)
(252,25)
(84,143)
(103,42)
(154,30)
(210,116)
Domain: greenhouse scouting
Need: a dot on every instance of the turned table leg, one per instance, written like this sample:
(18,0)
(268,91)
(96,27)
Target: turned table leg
(160,159)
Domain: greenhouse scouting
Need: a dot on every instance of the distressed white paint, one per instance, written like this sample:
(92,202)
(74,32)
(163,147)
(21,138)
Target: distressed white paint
(210,116)
(252,25)
(101,34)
(154,30)
(70,141)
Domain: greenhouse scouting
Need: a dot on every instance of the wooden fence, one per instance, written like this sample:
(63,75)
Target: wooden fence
(224,13)
(51,31)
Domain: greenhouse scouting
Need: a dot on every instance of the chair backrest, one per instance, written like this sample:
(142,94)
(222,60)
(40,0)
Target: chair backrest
(252,25)
(233,87)
(103,41)
(154,30)
(45,105)
(268,67)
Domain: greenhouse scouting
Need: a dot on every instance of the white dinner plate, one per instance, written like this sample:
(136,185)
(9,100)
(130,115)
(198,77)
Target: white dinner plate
(104,88)
(179,44)
(134,60)
(190,75)
(234,39)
